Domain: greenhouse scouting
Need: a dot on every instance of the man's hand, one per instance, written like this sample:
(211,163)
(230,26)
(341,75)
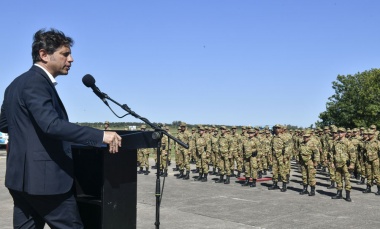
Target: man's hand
(113,139)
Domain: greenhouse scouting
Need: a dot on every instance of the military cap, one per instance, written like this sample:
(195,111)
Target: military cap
(307,133)
(167,128)
(250,130)
(206,128)
(222,127)
(267,131)
(200,127)
(266,127)
(183,124)
(349,131)
(195,128)
(256,128)
(373,127)
(233,127)
(355,130)
(370,132)
(143,126)
(243,128)
(326,128)
(334,129)
(362,128)
(341,129)
(106,122)
(277,126)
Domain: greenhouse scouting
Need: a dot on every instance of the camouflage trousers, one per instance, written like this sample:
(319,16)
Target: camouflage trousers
(263,163)
(235,158)
(140,157)
(361,166)
(308,173)
(224,165)
(203,165)
(164,159)
(341,173)
(251,167)
(331,171)
(145,161)
(279,168)
(184,157)
(373,172)
(214,159)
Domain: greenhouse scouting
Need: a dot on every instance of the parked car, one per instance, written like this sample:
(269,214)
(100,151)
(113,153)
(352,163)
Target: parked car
(3,139)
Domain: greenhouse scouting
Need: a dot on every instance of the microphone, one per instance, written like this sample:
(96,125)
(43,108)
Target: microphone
(89,81)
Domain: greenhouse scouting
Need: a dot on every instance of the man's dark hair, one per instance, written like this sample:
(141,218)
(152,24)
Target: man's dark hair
(50,41)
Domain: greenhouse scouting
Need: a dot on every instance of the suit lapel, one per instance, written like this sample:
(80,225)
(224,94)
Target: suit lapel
(43,73)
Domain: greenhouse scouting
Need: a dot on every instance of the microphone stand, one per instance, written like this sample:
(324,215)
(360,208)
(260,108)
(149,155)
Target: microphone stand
(157,135)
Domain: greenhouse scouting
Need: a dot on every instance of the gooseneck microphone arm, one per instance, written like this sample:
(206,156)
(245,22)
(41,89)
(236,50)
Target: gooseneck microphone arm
(89,81)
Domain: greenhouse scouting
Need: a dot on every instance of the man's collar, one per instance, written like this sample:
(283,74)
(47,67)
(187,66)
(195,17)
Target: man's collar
(48,73)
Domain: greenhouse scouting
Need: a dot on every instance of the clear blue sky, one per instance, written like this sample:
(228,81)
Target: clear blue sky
(236,62)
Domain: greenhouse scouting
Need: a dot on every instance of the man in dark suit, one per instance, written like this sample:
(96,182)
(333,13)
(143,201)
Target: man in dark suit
(39,173)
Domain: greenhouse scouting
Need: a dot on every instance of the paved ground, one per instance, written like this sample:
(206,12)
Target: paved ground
(191,204)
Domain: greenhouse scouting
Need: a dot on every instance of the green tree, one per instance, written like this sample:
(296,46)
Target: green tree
(356,101)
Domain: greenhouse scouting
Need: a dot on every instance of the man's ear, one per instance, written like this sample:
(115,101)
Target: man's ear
(43,55)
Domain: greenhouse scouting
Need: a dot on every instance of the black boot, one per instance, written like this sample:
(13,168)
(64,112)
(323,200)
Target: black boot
(204,179)
(227,181)
(220,179)
(260,175)
(368,189)
(187,175)
(199,177)
(146,171)
(265,172)
(274,186)
(253,183)
(378,191)
(338,195)
(213,171)
(141,171)
(332,185)
(362,181)
(232,174)
(176,168)
(165,173)
(304,190)
(283,189)
(246,183)
(312,192)
(348,198)
(154,166)
(196,170)
(180,174)
(287,178)
(238,175)
(323,169)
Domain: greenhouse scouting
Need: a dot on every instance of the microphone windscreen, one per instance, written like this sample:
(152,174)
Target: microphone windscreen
(88,80)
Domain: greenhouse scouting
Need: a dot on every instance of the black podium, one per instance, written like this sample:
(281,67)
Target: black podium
(106,184)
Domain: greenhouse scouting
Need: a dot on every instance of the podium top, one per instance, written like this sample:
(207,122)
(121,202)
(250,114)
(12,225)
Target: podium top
(132,140)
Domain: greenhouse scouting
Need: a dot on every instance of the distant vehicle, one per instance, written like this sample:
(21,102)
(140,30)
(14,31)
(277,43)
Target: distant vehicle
(3,139)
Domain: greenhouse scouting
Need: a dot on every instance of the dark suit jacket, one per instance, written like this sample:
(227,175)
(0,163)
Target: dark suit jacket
(39,160)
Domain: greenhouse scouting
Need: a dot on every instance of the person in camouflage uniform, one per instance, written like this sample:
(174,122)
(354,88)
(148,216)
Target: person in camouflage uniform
(193,149)
(365,164)
(184,154)
(278,146)
(224,162)
(288,153)
(164,155)
(265,148)
(344,161)
(330,156)
(214,151)
(309,159)
(203,150)
(234,149)
(177,158)
(251,152)
(143,157)
(357,142)
(371,153)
